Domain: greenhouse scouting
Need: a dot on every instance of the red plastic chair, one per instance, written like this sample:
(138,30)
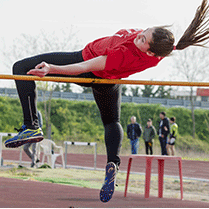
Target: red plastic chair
(149,159)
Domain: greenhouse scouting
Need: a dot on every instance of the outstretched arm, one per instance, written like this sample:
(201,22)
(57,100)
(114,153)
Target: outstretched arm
(95,64)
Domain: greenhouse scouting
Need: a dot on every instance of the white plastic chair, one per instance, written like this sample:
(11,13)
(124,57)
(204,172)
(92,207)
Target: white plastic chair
(46,145)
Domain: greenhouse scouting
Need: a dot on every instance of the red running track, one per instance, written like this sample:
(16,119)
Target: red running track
(24,194)
(191,169)
(32,194)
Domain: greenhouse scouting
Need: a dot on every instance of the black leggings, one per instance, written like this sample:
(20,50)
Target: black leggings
(107,97)
(148,147)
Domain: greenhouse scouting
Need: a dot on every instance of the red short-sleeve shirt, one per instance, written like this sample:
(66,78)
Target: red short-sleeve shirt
(123,57)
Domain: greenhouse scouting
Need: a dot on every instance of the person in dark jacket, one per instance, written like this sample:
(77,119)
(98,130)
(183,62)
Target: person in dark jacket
(148,136)
(163,132)
(134,131)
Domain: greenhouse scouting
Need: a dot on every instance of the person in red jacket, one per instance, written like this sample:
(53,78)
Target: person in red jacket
(113,57)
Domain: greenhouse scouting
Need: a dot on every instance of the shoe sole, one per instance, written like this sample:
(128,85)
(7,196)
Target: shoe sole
(20,142)
(107,190)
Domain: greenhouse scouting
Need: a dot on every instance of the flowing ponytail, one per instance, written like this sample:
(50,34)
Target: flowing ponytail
(197,34)
(198,30)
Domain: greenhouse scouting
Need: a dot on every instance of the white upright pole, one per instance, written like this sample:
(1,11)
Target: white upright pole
(65,154)
(95,156)
(0,150)
(20,160)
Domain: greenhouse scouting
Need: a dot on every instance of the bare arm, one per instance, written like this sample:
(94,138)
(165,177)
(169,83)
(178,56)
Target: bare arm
(95,64)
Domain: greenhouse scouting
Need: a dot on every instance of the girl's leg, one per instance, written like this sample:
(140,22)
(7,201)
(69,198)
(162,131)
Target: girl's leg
(168,149)
(108,99)
(146,145)
(27,89)
(172,150)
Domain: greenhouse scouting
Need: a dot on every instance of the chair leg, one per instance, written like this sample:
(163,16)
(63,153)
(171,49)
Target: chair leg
(181,178)
(160,177)
(48,160)
(43,159)
(148,177)
(63,162)
(127,177)
(53,159)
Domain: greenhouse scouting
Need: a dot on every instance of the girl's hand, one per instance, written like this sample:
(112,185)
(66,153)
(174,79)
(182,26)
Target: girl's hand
(40,70)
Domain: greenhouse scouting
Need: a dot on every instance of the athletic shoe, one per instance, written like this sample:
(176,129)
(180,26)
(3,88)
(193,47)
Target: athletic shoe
(24,136)
(108,187)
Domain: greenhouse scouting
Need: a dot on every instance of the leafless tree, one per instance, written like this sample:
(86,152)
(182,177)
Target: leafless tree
(28,45)
(191,65)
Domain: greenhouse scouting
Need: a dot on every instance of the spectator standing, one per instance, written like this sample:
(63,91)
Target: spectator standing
(164,130)
(148,136)
(134,131)
(32,155)
(173,136)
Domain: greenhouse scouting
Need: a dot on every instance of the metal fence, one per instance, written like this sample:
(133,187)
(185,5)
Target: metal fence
(126,99)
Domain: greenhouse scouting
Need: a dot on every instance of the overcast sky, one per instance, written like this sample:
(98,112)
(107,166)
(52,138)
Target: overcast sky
(93,19)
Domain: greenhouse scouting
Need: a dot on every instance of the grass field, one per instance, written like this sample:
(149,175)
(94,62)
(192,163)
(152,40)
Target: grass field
(193,190)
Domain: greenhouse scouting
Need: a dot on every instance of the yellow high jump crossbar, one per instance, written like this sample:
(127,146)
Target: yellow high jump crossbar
(103,81)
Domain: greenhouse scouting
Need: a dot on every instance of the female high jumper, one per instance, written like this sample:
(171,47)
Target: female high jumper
(114,57)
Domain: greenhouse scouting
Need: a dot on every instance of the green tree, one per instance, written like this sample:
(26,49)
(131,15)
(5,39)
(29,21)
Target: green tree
(160,92)
(57,88)
(135,91)
(163,93)
(124,90)
(148,91)
(87,90)
(66,87)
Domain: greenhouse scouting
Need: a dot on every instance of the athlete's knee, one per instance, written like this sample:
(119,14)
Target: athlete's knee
(114,127)
(109,120)
(21,67)
(17,68)
(112,123)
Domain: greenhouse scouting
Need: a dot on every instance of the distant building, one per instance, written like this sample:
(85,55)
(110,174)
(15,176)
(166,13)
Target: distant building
(185,95)
(199,95)
(202,95)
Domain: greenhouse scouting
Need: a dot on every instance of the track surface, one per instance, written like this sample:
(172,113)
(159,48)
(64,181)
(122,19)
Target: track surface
(28,194)
(191,169)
